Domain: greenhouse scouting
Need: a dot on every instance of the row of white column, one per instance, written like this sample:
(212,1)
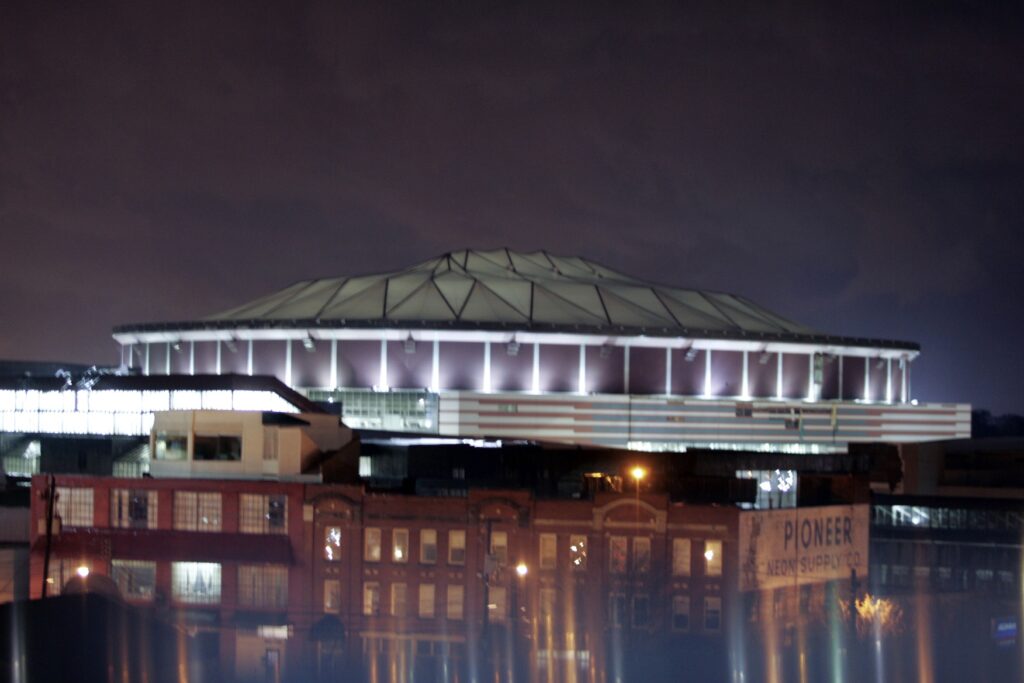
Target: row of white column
(813,387)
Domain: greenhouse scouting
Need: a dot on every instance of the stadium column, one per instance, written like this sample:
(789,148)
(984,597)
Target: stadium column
(536,368)
(167,359)
(668,371)
(192,358)
(288,362)
(903,389)
(218,357)
(383,380)
(334,364)
(145,369)
(778,377)
(625,369)
(435,368)
(248,360)
(867,378)
(888,380)
(487,367)
(840,397)
(707,373)
(582,380)
(810,377)
(745,383)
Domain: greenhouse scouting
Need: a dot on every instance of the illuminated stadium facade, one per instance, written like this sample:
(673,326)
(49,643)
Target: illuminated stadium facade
(531,345)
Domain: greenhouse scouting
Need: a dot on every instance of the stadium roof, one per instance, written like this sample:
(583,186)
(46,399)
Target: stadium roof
(508,290)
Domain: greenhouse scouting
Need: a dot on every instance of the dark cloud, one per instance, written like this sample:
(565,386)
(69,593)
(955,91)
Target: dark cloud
(857,168)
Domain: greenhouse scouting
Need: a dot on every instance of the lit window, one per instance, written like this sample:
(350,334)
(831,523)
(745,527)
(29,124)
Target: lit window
(399,591)
(712,614)
(641,555)
(616,610)
(428,546)
(332,596)
(457,547)
(499,546)
(260,514)
(400,545)
(371,544)
(332,543)
(547,604)
(548,551)
(62,571)
(134,578)
(217,448)
(641,611)
(74,506)
(713,558)
(196,511)
(133,509)
(681,557)
(196,583)
(371,598)
(426,610)
(617,554)
(497,603)
(681,613)
(263,586)
(171,446)
(578,552)
(456,600)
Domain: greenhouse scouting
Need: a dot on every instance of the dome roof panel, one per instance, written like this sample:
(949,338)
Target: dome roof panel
(549,307)
(483,305)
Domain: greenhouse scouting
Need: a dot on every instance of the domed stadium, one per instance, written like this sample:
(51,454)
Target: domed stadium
(533,345)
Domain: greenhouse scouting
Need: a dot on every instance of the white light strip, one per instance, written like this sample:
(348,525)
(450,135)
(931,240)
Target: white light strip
(334,363)
(191,358)
(487,367)
(248,362)
(867,379)
(536,369)
(435,368)
(707,373)
(582,381)
(625,370)
(778,378)
(382,382)
(745,382)
(668,372)
(288,362)
(888,380)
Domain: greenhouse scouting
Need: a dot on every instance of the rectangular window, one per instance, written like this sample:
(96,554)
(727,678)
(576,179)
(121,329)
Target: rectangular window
(497,604)
(400,545)
(456,600)
(712,614)
(371,544)
(217,447)
(261,514)
(548,551)
(264,586)
(426,610)
(457,547)
(332,543)
(428,546)
(713,558)
(578,552)
(196,511)
(195,583)
(133,509)
(617,554)
(134,578)
(641,555)
(171,446)
(616,610)
(681,613)
(641,611)
(332,596)
(399,598)
(547,604)
(371,598)
(74,506)
(681,557)
(499,546)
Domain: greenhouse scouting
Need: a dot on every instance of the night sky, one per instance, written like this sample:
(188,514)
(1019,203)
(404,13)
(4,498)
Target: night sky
(860,170)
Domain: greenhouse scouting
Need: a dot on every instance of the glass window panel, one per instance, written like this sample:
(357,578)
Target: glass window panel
(548,551)
(426,608)
(399,592)
(681,612)
(196,583)
(400,545)
(457,547)
(641,555)
(332,596)
(217,447)
(371,544)
(713,558)
(332,543)
(617,550)
(681,556)
(263,586)
(428,546)
(456,600)
(499,546)
(371,598)
(135,579)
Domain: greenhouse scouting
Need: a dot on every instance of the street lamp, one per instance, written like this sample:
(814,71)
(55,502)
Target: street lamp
(521,569)
(82,571)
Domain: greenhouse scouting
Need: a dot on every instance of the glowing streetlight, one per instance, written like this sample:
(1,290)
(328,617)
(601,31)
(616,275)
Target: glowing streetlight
(638,473)
(522,569)
(82,571)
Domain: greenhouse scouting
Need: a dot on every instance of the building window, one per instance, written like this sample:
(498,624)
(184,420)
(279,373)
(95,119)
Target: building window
(456,600)
(62,571)
(332,543)
(617,554)
(641,555)
(371,544)
(133,509)
(196,511)
(497,603)
(399,592)
(171,446)
(457,547)
(332,596)
(74,506)
(641,611)
(428,546)
(681,613)
(195,583)
(134,578)
(547,604)
(217,448)
(578,552)
(616,610)
(712,558)
(548,551)
(680,557)
(371,598)
(499,546)
(260,514)
(712,614)
(263,586)
(426,610)
(400,545)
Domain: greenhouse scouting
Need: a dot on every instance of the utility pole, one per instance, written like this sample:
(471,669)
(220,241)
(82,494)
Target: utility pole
(51,498)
